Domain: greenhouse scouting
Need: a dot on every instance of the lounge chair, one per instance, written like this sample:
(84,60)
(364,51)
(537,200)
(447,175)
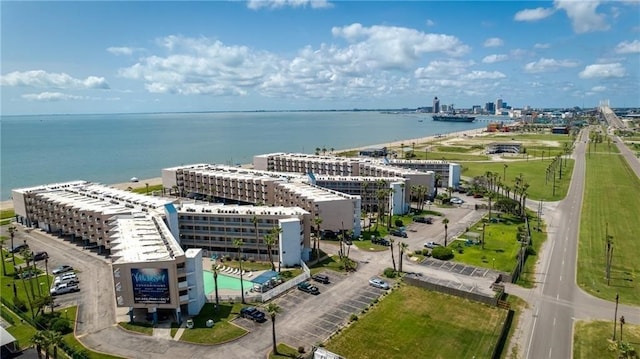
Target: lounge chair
(250,274)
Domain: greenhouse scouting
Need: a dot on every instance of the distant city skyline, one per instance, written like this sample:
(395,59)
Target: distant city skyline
(118,57)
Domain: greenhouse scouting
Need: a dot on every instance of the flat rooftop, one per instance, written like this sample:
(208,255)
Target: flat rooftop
(141,237)
(240,210)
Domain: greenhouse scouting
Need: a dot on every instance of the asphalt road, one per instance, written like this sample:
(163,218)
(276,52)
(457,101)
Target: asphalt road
(558,301)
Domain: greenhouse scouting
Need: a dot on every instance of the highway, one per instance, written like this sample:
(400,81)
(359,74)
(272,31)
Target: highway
(558,302)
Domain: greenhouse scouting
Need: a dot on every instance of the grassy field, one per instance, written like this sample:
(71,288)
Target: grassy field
(423,323)
(284,351)
(610,205)
(143,189)
(501,248)
(221,332)
(533,172)
(20,330)
(593,339)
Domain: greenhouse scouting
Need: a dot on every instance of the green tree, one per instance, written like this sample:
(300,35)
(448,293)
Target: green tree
(270,241)
(39,341)
(273,309)
(445,221)
(27,255)
(238,243)
(393,259)
(4,269)
(276,232)
(53,341)
(316,243)
(215,284)
(402,247)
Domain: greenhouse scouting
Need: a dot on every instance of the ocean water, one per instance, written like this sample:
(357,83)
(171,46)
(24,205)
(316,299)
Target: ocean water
(112,148)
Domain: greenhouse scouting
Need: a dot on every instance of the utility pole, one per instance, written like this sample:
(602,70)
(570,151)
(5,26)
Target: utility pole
(621,324)
(615,316)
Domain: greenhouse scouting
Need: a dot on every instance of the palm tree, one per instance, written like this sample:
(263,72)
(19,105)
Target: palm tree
(254,220)
(12,231)
(215,284)
(402,247)
(27,255)
(316,243)
(276,231)
(273,309)
(269,240)
(324,150)
(40,341)
(4,269)
(332,149)
(393,259)
(238,244)
(445,221)
(317,151)
(504,172)
(53,339)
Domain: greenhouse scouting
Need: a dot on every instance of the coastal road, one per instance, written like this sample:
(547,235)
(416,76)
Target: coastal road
(558,301)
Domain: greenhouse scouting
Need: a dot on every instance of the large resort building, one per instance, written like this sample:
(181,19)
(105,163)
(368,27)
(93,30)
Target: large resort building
(156,244)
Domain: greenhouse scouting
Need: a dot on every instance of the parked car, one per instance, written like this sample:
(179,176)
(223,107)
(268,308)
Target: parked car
(322,278)
(398,233)
(19,248)
(456,200)
(66,278)
(62,269)
(420,219)
(328,234)
(381,241)
(64,288)
(308,288)
(378,283)
(431,244)
(253,313)
(40,256)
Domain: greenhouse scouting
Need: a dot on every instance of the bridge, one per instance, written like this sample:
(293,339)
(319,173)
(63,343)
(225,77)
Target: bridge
(612,119)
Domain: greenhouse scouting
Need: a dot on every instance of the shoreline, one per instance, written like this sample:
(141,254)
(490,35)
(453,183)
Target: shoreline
(8,204)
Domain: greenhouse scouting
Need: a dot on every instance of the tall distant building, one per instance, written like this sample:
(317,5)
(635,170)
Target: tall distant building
(489,107)
(498,106)
(436,105)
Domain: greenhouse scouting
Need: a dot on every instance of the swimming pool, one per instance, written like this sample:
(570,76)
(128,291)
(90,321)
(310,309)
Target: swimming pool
(224,282)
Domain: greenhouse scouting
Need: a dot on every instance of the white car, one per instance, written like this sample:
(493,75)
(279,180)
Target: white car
(66,278)
(431,244)
(64,288)
(378,283)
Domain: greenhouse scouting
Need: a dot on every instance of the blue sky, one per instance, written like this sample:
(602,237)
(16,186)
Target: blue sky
(111,57)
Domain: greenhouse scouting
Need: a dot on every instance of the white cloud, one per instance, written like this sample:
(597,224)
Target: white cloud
(628,47)
(398,44)
(603,71)
(541,46)
(598,88)
(495,58)
(493,42)
(43,79)
(533,14)
(484,75)
(548,65)
(430,22)
(277,4)
(583,15)
(443,69)
(50,97)
(123,50)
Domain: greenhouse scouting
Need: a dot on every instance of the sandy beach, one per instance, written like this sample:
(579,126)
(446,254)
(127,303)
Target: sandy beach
(420,143)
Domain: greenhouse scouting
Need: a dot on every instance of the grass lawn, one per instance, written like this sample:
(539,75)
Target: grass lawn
(143,189)
(449,156)
(500,249)
(593,339)
(222,331)
(139,327)
(332,262)
(284,351)
(527,277)
(20,330)
(413,322)
(533,172)
(76,346)
(610,204)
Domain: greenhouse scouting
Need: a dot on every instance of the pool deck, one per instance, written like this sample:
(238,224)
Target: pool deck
(208,263)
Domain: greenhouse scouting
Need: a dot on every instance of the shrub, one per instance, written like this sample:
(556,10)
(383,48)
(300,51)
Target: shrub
(442,253)
(20,305)
(419,251)
(425,252)
(61,325)
(531,251)
(300,350)
(398,222)
(353,318)
(389,273)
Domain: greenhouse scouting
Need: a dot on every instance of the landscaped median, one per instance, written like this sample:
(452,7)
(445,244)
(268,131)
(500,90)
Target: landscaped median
(414,322)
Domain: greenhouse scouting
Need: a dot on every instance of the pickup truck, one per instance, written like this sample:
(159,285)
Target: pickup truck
(253,313)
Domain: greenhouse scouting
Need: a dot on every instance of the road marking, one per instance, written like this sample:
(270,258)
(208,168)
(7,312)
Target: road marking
(554,321)
(561,278)
(550,352)
(535,319)
(557,296)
